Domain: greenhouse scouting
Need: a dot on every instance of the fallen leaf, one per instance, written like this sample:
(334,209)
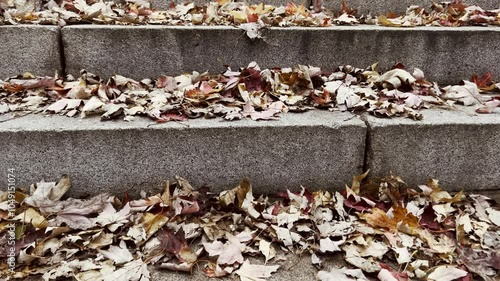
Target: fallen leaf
(446,273)
(342,274)
(267,250)
(119,255)
(252,272)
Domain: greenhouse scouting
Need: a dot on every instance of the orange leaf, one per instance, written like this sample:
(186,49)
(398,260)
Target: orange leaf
(251,17)
(485,83)
(346,9)
(402,215)
(402,220)
(322,100)
(379,218)
(290,9)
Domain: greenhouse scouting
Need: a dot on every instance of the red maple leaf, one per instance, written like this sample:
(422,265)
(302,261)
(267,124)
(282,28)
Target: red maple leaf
(485,83)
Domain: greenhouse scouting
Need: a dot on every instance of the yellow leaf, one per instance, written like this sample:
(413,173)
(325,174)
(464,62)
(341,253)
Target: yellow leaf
(290,9)
(240,193)
(239,16)
(356,181)
(223,2)
(457,198)
(261,8)
(33,217)
(403,220)
(383,20)
(152,223)
(302,11)
(380,219)
(165,197)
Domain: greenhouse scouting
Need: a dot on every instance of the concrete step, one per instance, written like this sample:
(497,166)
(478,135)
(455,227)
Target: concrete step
(446,55)
(458,147)
(317,149)
(148,51)
(30,48)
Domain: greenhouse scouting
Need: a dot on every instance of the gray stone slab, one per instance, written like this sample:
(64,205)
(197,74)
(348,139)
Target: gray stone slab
(446,55)
(317,149)
(31,48)
(459,148)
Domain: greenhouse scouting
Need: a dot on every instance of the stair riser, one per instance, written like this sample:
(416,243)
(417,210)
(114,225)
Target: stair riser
(317,149)
(313,149)
(446,55)
(458,148)
(29,48)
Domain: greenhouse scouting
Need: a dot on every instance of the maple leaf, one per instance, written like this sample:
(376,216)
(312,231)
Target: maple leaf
(446,273)
(401,220)
(485,83)
(467,94)
(325,97)
(46,193)
(136,270)
(253,29)
(176,244)
(24,84)
(342,274)
(395,78)
(101,239)
(213,270)
(489,106)
(33,217)
(112,219)
(367,265)
(356,182)
(119,255)
(267,250)
(73,206)
(253,272)
(327,245)
(229,252)
(389,274)
(183,206)
(482,262)
(346,19)
(236,195)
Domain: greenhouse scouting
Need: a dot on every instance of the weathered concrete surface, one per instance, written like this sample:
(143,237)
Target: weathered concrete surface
(446,55)
(316,149)
(459,148)
(31,48)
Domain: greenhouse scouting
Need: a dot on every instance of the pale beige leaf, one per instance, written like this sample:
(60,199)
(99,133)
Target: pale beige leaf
(252,272)
(446,273)
(119,254)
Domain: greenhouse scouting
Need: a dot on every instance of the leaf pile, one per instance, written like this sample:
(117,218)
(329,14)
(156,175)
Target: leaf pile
(383,228)
(225,12)
(453,13)
(246,93)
